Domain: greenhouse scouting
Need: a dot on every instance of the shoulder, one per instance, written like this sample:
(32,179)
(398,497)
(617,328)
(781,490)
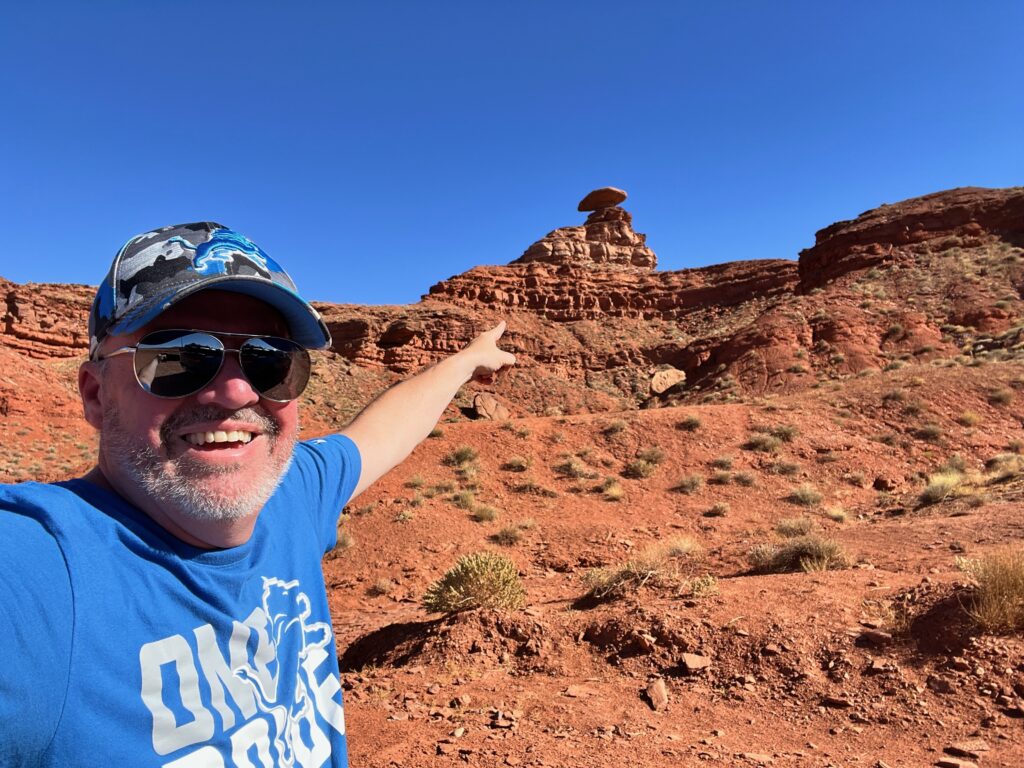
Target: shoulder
(330,450)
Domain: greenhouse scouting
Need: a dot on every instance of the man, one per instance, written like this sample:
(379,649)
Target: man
(168,609)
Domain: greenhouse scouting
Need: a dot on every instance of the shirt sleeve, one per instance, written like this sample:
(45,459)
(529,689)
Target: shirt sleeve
(329,468)
(35,637)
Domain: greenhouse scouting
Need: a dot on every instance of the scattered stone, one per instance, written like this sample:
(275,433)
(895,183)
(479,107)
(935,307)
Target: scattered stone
(836,702)
(664,380)
(940,684)
(971,748)
(657,694)
(694,662)
(953,762)
(756,757)
(875,638)
(486,406)
(605,197)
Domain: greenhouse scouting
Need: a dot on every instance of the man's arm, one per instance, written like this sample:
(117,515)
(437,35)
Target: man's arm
(388,429)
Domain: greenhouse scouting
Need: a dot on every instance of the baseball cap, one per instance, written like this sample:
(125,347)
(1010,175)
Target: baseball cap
(156,269)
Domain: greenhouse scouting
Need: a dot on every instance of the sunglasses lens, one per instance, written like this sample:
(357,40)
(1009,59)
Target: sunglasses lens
(277,368)
(177,363)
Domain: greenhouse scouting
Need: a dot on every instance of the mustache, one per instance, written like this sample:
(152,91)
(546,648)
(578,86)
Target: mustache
(181,420)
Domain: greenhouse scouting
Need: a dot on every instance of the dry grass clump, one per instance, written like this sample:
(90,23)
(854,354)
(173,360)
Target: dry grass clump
(836,514)
(533,488)
(794,526)
(805,495)
(929,432)
(1004,466)
(381,587)
(516,464)
(803,553)
(464,500)
(638,469)
(968,419)
(613,428)
(508,536)
(940,486)
(997,604)
(1000,396)
(718,509)
(689,424)
(762,442)
(479,580)
(611,489)
(574,467)
(722,462)
(652,455)
(720,478)
(688,484)
(781,432)
(654,565)
(786,468)
(745,479)
(416,481)
(483,513)
(464,454)
(436,432)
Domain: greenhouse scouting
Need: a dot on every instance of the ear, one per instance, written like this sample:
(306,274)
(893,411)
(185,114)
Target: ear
(90,387)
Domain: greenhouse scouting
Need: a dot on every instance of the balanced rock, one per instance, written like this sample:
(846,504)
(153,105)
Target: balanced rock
(605,197)
(606,238)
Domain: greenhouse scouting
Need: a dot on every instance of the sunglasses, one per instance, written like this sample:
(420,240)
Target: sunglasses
(178,363)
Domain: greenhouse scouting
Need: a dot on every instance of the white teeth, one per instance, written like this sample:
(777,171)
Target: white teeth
(220,436)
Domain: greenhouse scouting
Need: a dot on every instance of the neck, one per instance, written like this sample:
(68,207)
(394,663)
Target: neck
(202,534)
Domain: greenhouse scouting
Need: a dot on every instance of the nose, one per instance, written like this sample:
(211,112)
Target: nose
(230,389)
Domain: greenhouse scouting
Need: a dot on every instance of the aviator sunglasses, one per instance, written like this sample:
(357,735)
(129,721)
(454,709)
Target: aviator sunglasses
(178,363)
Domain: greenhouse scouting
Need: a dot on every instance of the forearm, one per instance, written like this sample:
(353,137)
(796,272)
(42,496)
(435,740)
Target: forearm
(400,418)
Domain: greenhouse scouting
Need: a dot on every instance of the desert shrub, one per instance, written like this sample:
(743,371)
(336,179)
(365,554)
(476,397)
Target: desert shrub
(405,516)
(436,432)
(720,478)
(805,495)
(464,500)
(968,419)
(745,479)
(652,455)
(955,463)
(461,455)
(416,481)
(345,540)
(782,432)
(638,468)
(796,368)
(1000,396)
(508,536)
(483,513)
(894,396)
(1004,466)
(575,468)
(803,553)
(1015,446)
(895,365)
(689,424)
(702,586)
(653,565)
(895,332)
(794,526)
(762,442)
(416,501)
(718,509)
(997,604)
(534,488)
(611,489)
(722,462)
(479,580)
(688,484)
(381,587)
(526,524)
(929,432)
(940,485)
(784,468)
(516,464)
(614,428)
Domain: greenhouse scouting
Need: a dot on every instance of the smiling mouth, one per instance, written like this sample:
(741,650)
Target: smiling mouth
(219,439)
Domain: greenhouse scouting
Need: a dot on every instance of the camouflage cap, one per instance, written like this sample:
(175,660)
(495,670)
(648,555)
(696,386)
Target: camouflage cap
(156,269)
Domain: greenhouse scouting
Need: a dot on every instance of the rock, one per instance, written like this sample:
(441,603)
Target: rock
(876,638)
(971,748)
(606,238)
(940,684)
(836,702)
(954,762)
(664,380)
(605,197)
(694,662)
(486,406)
(657,694)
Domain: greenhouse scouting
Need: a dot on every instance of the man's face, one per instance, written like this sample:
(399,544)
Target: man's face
(152,449)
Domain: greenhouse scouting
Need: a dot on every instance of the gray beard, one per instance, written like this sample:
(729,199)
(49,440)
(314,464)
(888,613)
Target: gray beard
(176,484)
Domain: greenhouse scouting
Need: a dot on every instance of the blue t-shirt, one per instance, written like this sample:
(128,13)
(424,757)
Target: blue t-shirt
(122,645)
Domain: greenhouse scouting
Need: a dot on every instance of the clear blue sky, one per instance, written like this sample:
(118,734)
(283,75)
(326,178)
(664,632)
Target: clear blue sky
(374,148)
